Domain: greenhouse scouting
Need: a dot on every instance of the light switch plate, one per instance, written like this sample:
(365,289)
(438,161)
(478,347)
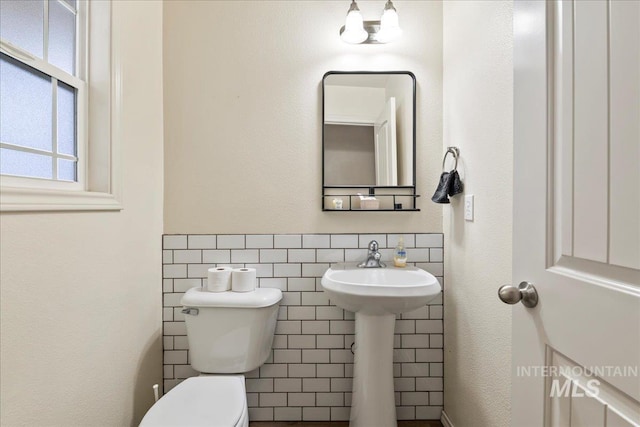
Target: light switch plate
(468,207)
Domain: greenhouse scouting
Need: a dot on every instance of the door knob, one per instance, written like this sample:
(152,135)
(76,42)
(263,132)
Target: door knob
(525,292)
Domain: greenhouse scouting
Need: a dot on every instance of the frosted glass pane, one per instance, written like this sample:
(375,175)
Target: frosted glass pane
(22,24)
(66,170)
(66,119)
(62,37)
(25,164)
(25,105)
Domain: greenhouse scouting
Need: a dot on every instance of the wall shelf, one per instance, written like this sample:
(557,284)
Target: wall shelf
(392,199)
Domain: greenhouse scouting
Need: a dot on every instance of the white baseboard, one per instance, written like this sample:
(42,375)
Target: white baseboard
(444,419)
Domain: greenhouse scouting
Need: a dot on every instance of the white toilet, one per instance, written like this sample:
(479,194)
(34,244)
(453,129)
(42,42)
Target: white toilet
(229,333)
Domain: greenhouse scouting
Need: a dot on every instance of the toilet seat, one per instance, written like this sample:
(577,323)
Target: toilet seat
(213,401)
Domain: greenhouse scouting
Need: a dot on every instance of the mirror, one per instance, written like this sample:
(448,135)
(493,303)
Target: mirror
(368,129)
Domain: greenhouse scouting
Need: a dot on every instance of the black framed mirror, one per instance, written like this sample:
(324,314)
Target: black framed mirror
(369,134)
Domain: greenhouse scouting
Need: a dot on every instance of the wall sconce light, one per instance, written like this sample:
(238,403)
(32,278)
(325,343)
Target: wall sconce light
(356,31)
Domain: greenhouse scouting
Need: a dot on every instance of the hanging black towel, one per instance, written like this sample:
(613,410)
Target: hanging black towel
(440,196)
(455,185)
(450,183)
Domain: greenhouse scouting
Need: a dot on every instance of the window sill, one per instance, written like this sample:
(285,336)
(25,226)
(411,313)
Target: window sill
(13,199)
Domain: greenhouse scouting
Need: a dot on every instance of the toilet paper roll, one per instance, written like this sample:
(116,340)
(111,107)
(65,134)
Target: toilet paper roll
(243,280)
(219,279)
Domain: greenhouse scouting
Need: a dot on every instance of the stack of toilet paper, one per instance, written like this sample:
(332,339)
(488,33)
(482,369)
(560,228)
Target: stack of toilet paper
(221,279)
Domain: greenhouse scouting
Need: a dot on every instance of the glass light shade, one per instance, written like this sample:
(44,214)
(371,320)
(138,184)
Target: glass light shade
(389,27)
(354,31)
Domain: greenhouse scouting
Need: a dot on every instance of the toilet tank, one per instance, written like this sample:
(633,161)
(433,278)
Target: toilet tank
(230,332)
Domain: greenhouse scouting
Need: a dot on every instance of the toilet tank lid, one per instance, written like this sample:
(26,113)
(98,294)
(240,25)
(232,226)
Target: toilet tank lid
(261,297)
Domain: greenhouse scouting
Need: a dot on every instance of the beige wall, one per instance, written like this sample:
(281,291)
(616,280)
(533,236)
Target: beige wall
(81,292)
(478,110)
(243,112)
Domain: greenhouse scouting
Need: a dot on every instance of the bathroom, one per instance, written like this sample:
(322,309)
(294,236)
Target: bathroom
(217,150)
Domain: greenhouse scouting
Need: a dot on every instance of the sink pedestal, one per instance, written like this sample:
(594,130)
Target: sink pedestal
(376,295)
(373,400)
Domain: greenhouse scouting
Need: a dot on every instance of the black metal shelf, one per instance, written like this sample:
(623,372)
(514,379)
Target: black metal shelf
(410,187)
(371,210)
(389,201)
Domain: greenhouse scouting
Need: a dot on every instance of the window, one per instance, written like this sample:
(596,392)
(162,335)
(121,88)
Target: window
(55,105)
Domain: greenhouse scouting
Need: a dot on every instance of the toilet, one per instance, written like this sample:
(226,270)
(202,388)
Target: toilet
(229,333)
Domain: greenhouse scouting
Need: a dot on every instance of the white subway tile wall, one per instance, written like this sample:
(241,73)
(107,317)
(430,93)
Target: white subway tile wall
(309,373)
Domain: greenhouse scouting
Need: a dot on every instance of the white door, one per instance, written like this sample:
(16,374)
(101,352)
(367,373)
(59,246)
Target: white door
(576,355)
(385,145)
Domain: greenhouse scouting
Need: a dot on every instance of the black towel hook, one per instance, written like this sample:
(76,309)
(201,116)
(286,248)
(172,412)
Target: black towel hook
(455,151)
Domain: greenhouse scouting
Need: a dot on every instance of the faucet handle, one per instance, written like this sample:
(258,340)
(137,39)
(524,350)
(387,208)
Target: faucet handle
(377,256)
(373,246)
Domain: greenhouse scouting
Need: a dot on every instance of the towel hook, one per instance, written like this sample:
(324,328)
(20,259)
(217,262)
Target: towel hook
(455,151)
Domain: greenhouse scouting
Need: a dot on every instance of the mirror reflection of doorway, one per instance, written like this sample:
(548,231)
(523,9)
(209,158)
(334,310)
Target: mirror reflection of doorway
(385,145)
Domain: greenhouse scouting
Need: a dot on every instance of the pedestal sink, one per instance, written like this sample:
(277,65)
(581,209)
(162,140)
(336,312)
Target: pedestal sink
(376,295)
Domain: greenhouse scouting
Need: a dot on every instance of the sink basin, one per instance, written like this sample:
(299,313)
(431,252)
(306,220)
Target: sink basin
(387,290)
(376,295)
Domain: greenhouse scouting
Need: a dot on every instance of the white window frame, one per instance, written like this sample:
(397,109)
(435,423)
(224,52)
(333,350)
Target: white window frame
(98,106)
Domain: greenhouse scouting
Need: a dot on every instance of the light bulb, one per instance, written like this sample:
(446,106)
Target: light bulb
(389,26)
(354,31)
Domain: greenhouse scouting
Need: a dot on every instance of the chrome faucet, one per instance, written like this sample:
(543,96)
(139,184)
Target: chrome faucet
(373,257)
